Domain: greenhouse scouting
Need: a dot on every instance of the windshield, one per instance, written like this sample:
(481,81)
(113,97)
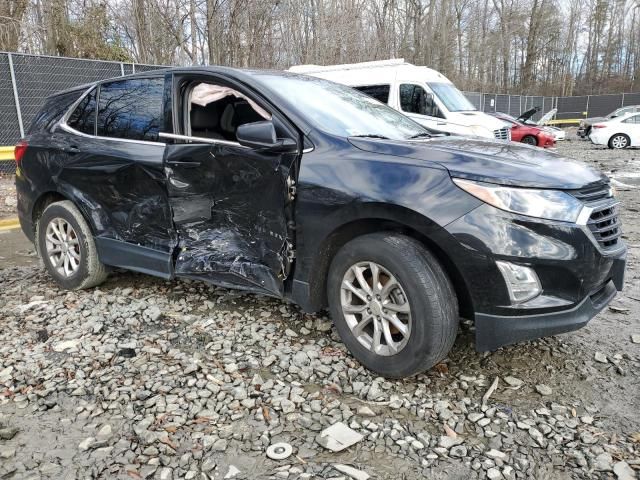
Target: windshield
(619,112)
(341,110)
(452,98)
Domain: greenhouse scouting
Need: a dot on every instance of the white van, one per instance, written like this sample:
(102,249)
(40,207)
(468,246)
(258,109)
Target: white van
(421,93)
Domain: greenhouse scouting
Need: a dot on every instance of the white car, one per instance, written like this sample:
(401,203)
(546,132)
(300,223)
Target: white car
(423,94)
(618,132)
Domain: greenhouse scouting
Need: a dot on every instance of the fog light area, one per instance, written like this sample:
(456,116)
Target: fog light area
(522,282)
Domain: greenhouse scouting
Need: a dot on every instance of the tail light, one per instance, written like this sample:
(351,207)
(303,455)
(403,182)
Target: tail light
(19,151)
(598,125)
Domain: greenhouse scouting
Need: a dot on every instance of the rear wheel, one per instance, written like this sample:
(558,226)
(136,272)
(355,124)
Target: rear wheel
(530,140)
(66,246)
(392,304)
(619,140)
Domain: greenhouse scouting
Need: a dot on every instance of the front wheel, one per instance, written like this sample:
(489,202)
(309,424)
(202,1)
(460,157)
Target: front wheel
(530,140)
(393,305)
(619,140)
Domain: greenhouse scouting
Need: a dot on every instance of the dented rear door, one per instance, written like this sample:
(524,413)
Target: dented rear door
(229,208)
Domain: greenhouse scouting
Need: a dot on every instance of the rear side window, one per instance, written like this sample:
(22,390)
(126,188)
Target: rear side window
(83,118)
(379,92)
(131,109)
(634,119)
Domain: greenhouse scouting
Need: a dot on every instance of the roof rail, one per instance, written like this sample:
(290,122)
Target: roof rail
(393,62)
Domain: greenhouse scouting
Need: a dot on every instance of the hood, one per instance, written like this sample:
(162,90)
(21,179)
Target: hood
(528,114)
(547,116)
(506,163)
(476,118)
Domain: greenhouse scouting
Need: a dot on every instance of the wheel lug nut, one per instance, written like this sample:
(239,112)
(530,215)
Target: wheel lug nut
(368,297)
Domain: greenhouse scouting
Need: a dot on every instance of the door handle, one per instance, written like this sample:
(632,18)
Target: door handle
(71,149)
(186,164)
(441,123)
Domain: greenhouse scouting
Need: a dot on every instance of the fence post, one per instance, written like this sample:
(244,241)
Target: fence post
(622,100)
(15,95)
(133,67)
(121,69)
(582,114)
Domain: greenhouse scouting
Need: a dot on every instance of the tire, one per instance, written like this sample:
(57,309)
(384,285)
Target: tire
(60,221)
(619,140)
(530,140)
(424,287)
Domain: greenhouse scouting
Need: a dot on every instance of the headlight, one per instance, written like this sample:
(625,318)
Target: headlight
(549,204)
(481,131)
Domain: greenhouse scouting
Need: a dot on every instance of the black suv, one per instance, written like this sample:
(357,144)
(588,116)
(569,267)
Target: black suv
(303,189)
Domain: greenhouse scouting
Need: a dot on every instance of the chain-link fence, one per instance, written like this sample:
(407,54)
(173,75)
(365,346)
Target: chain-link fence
(569,108)
(26,80)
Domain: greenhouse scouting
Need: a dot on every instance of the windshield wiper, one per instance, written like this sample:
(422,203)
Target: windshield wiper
(420,135)
(371,135)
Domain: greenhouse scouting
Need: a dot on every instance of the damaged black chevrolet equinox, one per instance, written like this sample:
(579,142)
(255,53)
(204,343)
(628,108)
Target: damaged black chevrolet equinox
(307,190)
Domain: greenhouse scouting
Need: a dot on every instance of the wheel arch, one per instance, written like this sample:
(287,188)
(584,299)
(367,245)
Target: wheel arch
(51,196)
(609,144)
(42,202)
(398,220)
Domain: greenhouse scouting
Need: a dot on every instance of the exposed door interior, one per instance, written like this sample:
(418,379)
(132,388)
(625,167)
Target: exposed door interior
(230,203)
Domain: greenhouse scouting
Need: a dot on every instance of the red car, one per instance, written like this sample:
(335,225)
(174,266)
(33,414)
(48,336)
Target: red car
(528,134)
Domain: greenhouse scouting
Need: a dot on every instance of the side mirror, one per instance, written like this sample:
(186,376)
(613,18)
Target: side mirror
(262,135)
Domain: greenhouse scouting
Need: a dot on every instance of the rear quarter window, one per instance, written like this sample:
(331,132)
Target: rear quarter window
(131,109)
(53,110)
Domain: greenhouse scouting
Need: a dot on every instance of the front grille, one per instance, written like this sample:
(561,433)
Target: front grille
(603,223)
(502,133)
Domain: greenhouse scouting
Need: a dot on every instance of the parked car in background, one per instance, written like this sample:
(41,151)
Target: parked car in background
(528,134)
(307,190)
(558,133)
(423,94)
(618,132)
(584,130)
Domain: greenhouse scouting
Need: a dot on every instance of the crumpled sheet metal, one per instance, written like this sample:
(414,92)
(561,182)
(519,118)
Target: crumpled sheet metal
(124,199)
(230,253)
(231,220)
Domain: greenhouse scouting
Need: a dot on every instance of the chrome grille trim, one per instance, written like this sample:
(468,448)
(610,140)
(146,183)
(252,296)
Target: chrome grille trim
(600,217)
(503,133)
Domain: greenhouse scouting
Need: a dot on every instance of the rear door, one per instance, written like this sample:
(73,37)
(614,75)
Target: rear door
(231,204)
(115,173)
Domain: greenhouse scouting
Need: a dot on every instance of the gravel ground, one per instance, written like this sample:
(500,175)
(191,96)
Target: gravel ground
(143,378)
(7,196)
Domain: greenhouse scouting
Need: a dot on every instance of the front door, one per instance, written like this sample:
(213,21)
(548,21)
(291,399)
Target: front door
(419,105)
(230,203)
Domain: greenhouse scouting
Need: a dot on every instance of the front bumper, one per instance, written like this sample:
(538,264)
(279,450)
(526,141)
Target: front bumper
(494,331)
(577,278)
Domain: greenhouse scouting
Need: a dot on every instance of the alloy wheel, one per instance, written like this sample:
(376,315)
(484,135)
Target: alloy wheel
(376,308)
(63,247)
